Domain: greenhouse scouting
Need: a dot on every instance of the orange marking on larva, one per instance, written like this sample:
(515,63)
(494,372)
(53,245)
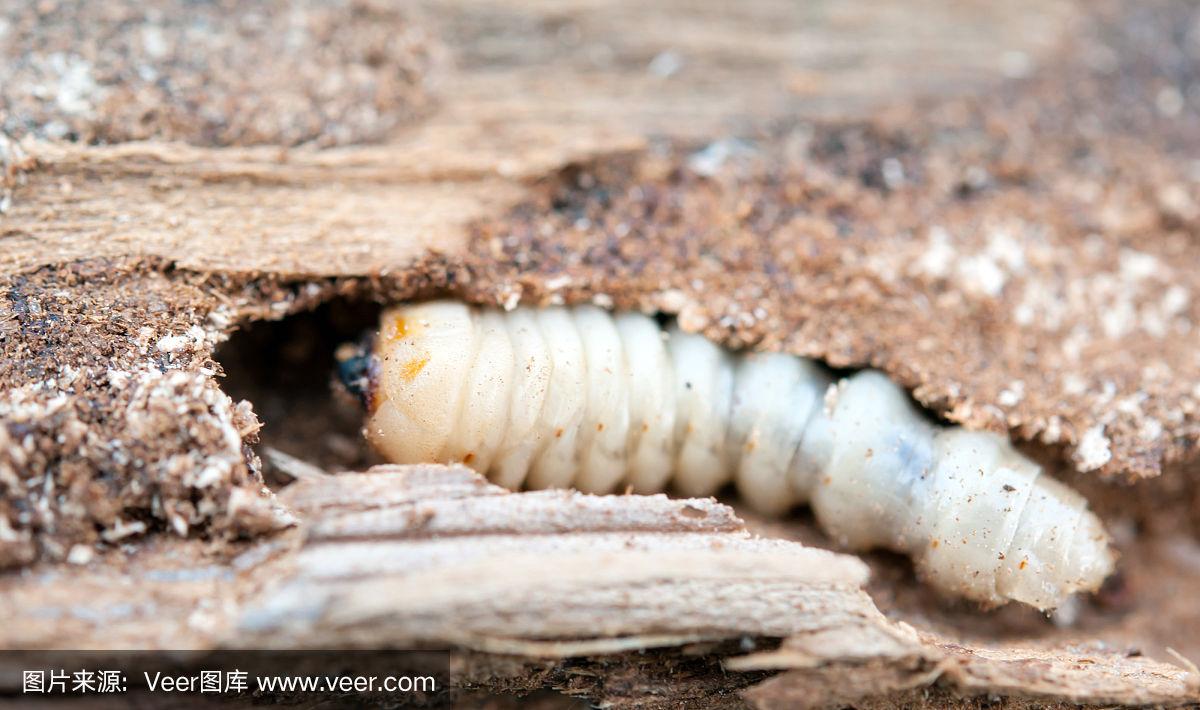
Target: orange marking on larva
(397,329)
(558,434)
(1023,565)
(412,368)
(934,542)
(469,458)
(600,426)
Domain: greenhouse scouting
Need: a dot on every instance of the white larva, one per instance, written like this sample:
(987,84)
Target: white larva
(578,397)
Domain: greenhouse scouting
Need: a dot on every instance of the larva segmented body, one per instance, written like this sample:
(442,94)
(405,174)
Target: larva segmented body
(560,397)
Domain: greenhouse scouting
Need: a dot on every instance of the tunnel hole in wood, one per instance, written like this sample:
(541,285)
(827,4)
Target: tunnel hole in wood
(287,370)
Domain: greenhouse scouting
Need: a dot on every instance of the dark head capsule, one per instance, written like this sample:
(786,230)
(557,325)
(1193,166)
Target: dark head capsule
(357,370)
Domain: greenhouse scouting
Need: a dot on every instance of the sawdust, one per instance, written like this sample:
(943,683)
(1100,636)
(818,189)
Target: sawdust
(112,422)
(117,419)
(213,73)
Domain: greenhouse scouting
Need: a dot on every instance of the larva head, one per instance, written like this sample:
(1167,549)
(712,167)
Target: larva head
(422,355)
(358,369)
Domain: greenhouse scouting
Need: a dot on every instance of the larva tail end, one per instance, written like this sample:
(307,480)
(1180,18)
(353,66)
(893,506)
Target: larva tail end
(358,371)
(1078,563)
(1094,559)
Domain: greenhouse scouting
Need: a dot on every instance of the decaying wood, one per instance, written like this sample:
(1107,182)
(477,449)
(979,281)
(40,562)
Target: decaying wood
(1018,250)
(525,102)
(436,558)
(326,74)
(1079,675)
(444,557)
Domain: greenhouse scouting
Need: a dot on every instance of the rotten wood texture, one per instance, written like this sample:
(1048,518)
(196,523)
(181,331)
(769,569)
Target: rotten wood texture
(526,585)
(428,554)
(1079,675)
(538,87)
(1019,249)
(323,73)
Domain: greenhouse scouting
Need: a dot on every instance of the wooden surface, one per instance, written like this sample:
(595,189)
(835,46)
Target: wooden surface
(626,600)
(423,555)
(436,558)
(534,87)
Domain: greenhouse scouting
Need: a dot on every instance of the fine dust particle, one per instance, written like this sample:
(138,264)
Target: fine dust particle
(1093,451)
